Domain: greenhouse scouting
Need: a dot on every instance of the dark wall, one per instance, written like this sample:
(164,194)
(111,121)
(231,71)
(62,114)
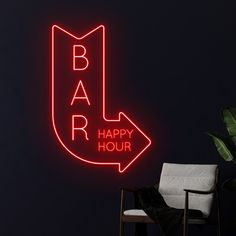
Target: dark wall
(171,66)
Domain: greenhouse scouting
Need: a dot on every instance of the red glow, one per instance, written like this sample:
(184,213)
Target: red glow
(114,146)
(76,117)
(80,85)
(79,57)
(121,138)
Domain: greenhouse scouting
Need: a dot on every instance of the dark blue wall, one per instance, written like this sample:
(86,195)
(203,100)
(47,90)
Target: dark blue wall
(172,67)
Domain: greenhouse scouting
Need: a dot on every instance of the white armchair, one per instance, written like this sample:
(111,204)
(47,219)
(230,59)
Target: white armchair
(183,186)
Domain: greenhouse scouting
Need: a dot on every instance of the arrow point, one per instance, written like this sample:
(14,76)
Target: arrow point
(124,116)
(122,168)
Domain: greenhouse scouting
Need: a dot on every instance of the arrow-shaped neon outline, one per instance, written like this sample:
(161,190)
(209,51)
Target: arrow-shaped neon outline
(103,102)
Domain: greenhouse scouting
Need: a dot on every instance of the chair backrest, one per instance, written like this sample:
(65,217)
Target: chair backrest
(176,177)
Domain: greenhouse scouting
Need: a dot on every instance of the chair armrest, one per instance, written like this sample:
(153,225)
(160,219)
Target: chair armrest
(186,207)
(199,191)
(129,189)
(122,197)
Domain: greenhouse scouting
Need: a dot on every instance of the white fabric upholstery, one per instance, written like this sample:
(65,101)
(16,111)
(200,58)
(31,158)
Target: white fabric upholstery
(134,212)
(176,177)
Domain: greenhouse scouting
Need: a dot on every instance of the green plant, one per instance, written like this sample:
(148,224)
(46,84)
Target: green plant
(226,145)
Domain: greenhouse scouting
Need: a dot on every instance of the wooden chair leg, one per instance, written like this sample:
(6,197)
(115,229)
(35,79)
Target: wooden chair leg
(219,224)
(185,230)
(121,228)
(218,214)
(121,213)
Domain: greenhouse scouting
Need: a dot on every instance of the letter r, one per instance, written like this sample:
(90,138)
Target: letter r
(82,128)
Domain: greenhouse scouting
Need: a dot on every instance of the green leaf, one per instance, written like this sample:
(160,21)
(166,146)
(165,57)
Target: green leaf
(230,184)
(222,147)
(229,117)
(233,139)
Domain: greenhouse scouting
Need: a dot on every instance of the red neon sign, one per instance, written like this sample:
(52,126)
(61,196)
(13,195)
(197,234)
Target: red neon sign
(79,103)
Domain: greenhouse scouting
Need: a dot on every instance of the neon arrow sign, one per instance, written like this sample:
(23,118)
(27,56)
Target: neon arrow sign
(79,102)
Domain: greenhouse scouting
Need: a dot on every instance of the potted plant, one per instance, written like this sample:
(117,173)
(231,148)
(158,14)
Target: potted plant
(226,145)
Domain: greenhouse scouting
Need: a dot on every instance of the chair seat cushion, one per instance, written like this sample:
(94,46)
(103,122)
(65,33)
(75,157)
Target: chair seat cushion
(134,212)
(139,212)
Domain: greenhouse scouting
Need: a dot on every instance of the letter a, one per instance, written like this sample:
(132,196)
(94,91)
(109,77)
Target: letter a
(81,87)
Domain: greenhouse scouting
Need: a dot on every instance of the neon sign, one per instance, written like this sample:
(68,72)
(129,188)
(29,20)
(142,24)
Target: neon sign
(78,97)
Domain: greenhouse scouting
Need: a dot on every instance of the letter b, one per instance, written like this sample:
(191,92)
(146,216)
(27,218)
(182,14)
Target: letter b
(80,62)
